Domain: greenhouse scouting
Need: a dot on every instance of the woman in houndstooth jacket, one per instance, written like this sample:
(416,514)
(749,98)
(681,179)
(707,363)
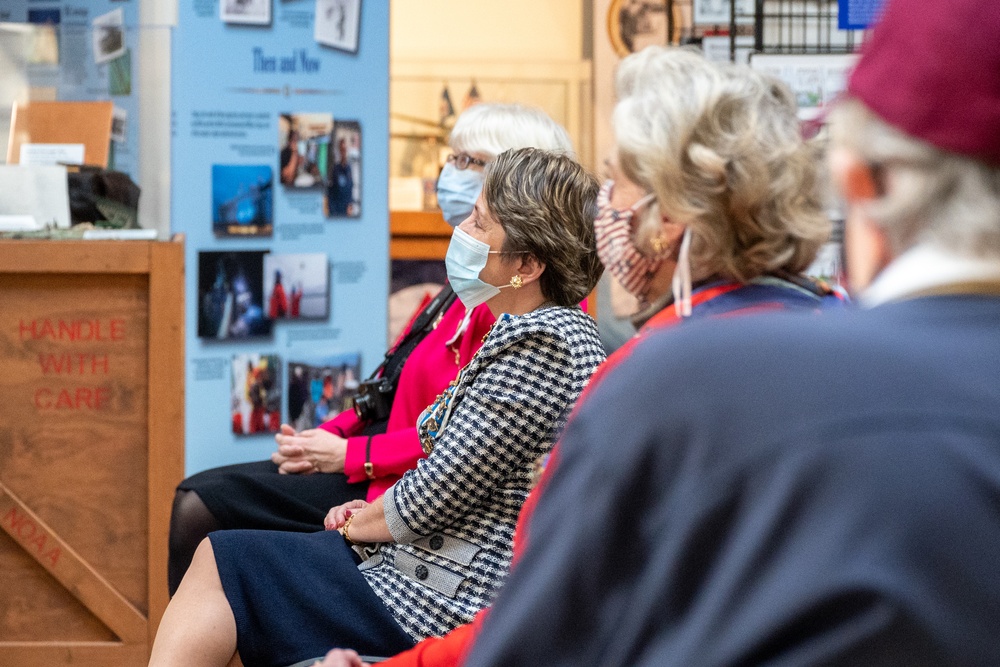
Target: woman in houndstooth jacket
(434,549)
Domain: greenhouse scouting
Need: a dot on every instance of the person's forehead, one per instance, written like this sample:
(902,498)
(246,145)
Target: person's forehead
(486,219)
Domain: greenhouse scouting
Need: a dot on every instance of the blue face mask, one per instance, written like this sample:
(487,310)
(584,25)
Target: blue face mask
(457,191)
(465,259)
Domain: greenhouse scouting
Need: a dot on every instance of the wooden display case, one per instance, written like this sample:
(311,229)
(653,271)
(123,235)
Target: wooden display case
(91,446)
(418,235)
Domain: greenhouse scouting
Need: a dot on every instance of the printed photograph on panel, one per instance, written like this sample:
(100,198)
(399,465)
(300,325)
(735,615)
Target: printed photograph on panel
(231,295)
(242,200)
(343,186)
(305,144)
(319,389)
(256,394)
(297,286)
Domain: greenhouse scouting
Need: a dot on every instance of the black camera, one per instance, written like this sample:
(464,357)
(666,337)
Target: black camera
(374,399)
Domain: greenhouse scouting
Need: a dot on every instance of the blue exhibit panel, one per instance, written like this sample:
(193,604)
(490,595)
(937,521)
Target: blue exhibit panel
(266,114)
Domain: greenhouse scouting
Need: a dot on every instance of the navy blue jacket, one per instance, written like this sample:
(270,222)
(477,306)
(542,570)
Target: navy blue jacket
(787,490)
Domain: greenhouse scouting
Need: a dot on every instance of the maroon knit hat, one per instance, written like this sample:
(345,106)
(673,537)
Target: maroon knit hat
(931,68)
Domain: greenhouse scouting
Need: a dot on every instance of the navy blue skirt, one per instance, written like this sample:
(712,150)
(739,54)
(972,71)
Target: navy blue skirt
(298,595)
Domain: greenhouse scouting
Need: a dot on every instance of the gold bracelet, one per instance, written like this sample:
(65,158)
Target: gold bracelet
(343,530)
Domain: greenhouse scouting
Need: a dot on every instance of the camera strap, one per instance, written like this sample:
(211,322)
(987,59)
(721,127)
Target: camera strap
(392,366)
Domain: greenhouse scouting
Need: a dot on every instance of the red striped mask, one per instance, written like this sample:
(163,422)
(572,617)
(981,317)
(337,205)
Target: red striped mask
(613,232)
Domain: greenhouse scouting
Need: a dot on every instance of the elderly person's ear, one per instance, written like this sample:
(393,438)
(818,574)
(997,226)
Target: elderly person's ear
(855,178)
(866,247)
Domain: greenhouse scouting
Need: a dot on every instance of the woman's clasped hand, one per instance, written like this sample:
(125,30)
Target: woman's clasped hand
(337,516)
(311,450)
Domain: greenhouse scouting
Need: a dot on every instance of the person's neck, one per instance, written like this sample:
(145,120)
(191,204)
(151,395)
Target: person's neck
(517,302)
(926,268)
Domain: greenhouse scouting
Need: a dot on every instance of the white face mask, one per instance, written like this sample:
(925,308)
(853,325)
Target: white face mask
(465,259)
(457,191)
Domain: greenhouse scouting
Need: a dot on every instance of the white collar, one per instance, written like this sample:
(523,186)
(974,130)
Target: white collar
(925,267)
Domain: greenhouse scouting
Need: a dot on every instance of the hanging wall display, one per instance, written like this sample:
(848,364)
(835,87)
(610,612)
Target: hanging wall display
(815,80)
(858,14)
(253,12)
(719,12)
(337,24)
(284,207)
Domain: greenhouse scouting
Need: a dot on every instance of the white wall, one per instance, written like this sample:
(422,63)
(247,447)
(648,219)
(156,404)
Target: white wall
(524,30)
(514,50)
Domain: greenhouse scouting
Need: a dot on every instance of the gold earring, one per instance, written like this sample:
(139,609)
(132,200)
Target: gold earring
(659,243)
(516,282)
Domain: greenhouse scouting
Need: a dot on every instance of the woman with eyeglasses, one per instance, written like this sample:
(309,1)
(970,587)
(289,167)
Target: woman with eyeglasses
(431,551)
(350,457)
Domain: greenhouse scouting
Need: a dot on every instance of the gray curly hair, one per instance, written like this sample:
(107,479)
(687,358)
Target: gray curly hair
(720,147)
(935,196)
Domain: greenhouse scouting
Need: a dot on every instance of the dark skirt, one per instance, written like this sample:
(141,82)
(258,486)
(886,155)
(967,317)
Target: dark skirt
(255,495)
(296,596)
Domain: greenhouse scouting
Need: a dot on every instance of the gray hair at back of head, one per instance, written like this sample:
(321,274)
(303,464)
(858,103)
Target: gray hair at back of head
(720,147)
(932,196)
(494,128)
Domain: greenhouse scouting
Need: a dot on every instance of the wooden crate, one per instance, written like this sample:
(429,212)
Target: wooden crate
(91,446)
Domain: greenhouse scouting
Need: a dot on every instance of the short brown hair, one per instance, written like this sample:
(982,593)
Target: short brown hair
(546,204)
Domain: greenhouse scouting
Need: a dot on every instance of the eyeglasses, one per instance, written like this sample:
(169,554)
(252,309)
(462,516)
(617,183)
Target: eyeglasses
(463,160)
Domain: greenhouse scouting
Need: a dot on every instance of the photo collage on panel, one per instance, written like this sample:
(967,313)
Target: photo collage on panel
(244,294)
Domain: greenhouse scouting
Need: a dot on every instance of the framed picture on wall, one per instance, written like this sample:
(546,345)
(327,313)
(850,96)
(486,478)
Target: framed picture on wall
(338,23)
(342,198)
(635,24)
(109,35)
(252,12)
(255,396)
(304,140)
(231,295)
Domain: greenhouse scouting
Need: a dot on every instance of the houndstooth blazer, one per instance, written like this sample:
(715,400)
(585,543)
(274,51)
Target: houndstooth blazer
(453,516)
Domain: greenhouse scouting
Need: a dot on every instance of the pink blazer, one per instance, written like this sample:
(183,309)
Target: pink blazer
(426,373)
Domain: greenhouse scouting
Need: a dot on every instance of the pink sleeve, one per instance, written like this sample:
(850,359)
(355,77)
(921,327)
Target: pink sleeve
(392,454)
(345,424)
